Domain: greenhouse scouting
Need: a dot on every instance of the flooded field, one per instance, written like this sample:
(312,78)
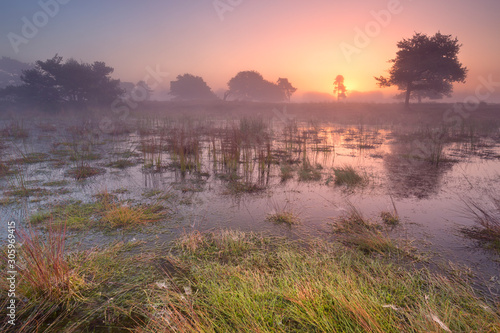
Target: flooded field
(152,179)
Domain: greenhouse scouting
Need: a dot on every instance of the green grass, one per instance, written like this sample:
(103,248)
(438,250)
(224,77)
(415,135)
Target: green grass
(101,288)
(40,217)
(23,192)
(56,183)
(230,281)
(86,156)
(286,172)
(238,282)
(46,282)
(119,215)
(347,175)
(121,164)
(286,217)
(282,213)
(105,213)
(242,187)
(84,171)
(30,158)
(357,231)
(309,173)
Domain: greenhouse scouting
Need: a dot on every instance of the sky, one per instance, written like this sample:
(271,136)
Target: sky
(308,42)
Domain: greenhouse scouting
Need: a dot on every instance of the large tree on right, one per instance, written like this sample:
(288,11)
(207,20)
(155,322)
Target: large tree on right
(425,66)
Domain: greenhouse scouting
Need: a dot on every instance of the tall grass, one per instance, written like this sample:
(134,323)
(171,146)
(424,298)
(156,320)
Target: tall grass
(43,268)
(237,282)
(82,151)
(48,286)
(15,129)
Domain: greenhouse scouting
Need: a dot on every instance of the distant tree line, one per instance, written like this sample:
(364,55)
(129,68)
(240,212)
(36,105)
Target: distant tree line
(246,85)
(54,84)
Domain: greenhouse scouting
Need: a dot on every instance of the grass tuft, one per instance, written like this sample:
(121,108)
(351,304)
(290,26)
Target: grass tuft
(362,233)
(119,215)
(44,271)
(283,217)
(84,171)
(283,214)
(307,172)
(347,175)
(286,172)
(487,220)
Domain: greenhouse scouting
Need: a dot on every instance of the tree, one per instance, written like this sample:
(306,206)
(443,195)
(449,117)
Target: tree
(286,87)
(53,83)
(250,85)
(425,67)
(339,87)
(190,87)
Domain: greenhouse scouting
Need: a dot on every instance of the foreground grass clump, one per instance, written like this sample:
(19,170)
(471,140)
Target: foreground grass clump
(44,270)
(347,175)
(487,219)
(88,291)
(240,282)
(46,281)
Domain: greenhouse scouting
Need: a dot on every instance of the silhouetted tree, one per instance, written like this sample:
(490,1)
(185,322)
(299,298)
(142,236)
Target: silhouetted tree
(339,87)
(250,85)
(286,87)
(425,66)
(190,87)
(52,84)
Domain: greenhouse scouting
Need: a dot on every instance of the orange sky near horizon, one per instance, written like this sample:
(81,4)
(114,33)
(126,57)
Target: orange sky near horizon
(301,41)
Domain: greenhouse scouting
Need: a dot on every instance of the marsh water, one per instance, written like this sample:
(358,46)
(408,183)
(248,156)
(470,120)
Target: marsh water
(233,173)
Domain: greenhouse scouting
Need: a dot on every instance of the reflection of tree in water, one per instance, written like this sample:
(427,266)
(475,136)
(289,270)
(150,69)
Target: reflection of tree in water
(408,176)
